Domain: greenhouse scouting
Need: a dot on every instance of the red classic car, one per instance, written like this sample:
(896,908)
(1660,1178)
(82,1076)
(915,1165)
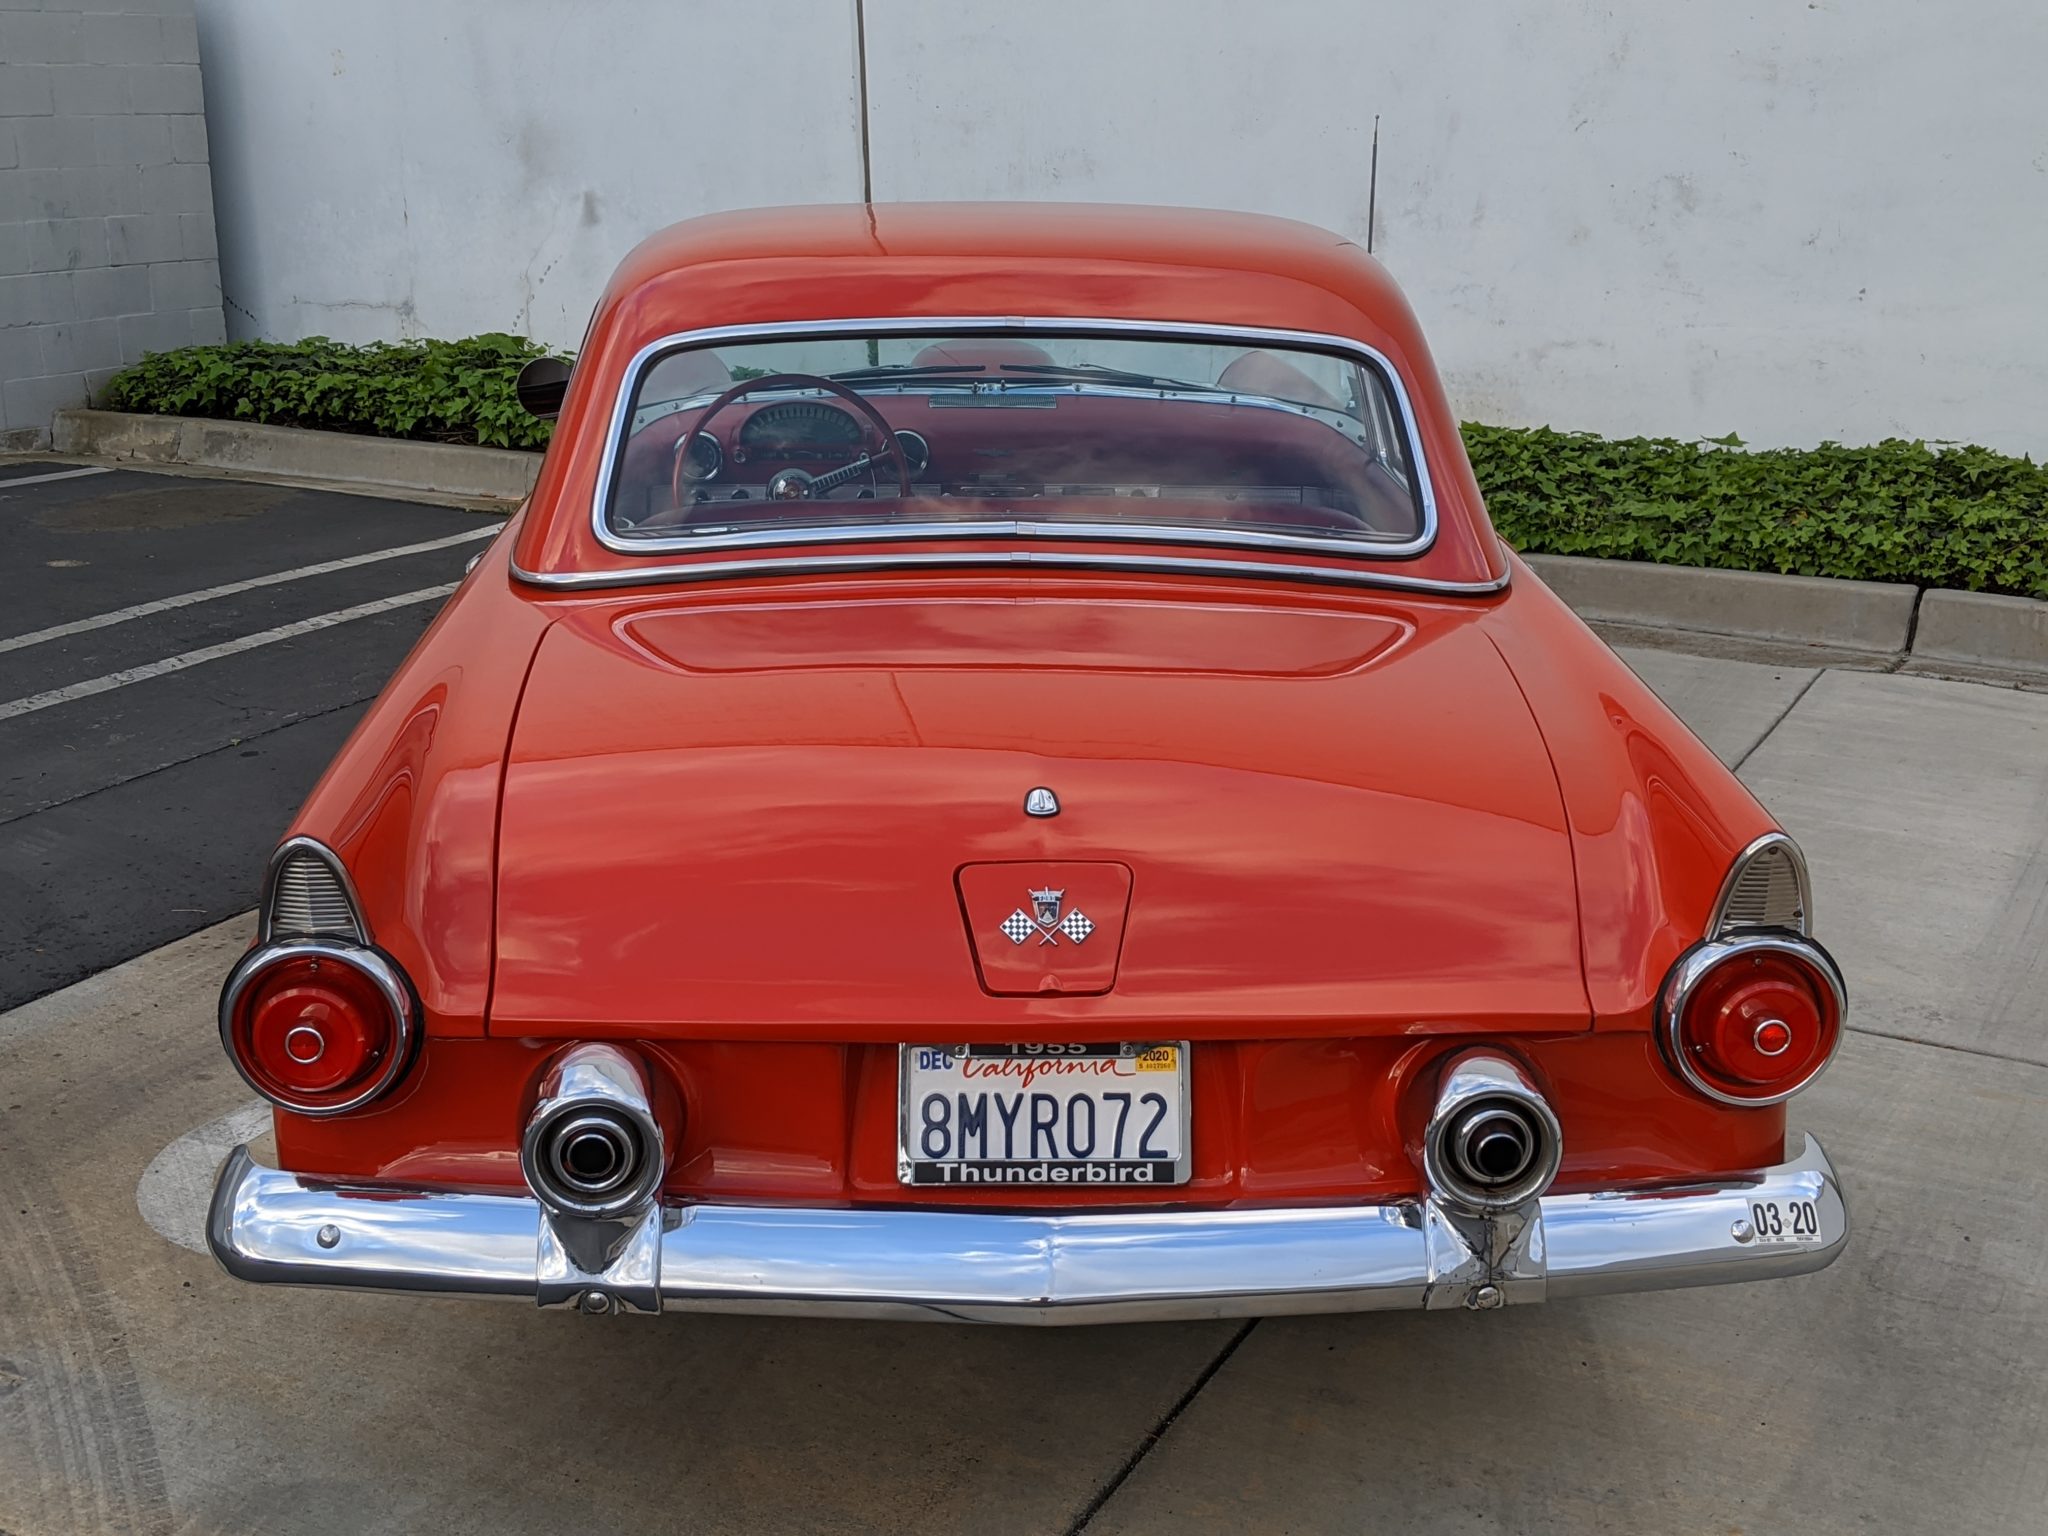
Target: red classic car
(1003,774)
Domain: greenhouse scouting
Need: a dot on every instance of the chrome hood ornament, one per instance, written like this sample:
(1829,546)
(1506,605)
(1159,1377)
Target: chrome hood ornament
(1041,802)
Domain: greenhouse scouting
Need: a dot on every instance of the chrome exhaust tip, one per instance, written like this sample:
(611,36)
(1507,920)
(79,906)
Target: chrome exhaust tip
(1492,1141)
(594,1153)
(1493,1146)
(593,1147)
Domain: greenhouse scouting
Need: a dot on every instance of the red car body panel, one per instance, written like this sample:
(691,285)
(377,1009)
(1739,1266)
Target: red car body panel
(1656,818)
(411,801)
(1279,1121)
(771,851)
(729,819)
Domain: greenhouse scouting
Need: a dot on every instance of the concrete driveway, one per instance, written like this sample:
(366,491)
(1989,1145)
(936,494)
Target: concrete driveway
(1903,1390)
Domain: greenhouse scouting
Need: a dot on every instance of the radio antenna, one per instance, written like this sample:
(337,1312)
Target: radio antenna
(1372,188)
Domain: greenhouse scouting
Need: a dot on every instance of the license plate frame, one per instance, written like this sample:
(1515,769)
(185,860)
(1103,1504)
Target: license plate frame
(1125,1062)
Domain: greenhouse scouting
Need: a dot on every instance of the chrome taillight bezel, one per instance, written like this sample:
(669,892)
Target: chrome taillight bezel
(1709,955)
(377,968)
(345,942)
(358,931)
(1771,845)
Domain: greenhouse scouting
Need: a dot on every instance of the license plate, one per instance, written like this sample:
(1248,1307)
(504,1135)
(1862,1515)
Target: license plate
(1785,1221)
(973,1116)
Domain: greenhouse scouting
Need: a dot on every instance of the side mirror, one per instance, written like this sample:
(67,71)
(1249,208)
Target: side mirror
(542,385)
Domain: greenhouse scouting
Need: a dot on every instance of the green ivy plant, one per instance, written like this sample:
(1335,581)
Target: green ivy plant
(1940,516)
(441,391)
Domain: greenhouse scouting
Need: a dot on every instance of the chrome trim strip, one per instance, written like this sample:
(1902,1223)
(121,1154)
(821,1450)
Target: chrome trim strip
(327,856)
(835,565)
(1717,919)
(1024,1267)
(389,981)
(1692,969)
(984,325)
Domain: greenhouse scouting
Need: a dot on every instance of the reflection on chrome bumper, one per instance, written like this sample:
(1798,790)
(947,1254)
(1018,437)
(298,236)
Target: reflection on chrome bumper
(1024,1267)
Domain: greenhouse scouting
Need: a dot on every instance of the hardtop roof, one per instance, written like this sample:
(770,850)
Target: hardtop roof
(783,267)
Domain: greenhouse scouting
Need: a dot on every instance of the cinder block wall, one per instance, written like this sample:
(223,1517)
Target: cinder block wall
(106,203)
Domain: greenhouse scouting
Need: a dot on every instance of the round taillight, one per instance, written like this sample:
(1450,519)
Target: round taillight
(317,1027)
(1753,1020)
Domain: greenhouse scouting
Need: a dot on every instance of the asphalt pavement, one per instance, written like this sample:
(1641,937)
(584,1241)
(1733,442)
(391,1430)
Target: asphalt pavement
(179,658)
(1903,1390)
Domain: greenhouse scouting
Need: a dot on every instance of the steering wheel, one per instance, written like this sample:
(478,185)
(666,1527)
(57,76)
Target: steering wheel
(796,484)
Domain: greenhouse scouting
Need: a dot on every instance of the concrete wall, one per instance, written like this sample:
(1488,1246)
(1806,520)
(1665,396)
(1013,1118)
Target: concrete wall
(1796,221)
(106,210)
(390,168)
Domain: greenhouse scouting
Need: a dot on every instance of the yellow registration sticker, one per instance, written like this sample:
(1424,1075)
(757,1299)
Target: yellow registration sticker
(1161,1058)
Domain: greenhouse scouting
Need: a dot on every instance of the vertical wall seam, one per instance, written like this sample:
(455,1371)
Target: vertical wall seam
(860,48)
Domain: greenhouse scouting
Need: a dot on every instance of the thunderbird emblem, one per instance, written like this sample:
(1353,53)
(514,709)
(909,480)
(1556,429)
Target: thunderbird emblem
(1045,921)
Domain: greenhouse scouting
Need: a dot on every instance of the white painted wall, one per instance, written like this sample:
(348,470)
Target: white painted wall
(1792,220)
(390,168)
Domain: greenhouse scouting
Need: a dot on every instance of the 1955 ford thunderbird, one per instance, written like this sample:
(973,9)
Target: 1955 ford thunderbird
(1003,774)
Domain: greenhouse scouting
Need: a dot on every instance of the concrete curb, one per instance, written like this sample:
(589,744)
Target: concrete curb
(447,469)
(1973,633)
(1937,630)
(1978,630)
(1871,616)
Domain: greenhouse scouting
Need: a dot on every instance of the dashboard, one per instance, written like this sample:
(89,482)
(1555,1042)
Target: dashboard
(787,433)
(801,429)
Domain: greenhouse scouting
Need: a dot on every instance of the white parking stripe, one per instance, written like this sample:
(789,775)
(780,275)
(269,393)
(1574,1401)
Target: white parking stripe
(127,675)
(177,1187)
(55,474)
(229,589)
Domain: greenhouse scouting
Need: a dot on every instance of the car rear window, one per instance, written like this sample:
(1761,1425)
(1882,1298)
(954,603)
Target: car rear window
(1134,436)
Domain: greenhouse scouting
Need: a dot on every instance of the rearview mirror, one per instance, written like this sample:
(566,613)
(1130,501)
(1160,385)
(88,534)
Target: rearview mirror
(542,385)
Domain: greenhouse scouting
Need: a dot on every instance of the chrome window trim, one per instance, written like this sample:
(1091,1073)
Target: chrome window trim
(1717,920)
(1056,560)
(939,325)
(1692,969)
(370,963)
(325,855)
(944,396)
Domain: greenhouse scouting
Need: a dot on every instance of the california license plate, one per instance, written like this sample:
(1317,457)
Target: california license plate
(1092,1115)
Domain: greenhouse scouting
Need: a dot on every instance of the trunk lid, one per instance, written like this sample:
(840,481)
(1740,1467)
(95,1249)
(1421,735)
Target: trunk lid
(790,818)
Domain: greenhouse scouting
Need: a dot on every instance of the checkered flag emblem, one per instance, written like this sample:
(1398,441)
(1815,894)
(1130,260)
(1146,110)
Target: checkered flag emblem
(1047,925)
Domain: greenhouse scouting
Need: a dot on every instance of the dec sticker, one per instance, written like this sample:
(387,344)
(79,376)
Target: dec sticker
(1161,1058)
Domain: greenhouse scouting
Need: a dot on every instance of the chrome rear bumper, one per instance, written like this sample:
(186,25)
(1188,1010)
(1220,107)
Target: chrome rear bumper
(1024,1267)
